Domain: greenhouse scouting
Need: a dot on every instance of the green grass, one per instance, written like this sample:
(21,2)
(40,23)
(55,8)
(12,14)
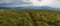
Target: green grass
(29,18)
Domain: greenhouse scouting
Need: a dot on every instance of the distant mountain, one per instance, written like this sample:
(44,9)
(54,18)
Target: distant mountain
(37,8)
(30,8)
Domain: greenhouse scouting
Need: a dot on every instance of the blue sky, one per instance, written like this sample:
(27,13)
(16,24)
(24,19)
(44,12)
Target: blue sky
(52,3)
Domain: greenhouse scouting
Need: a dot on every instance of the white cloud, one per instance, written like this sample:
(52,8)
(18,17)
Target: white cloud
(52,3)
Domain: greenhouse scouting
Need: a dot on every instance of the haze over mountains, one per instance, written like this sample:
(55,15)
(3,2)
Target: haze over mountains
(30,4)
(30,8)
(52,3)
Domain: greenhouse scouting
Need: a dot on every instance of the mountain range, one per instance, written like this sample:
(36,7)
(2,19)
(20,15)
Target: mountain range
(30,8)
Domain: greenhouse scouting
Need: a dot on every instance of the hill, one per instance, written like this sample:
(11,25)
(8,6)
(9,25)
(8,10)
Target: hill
(29,18)
(28,8)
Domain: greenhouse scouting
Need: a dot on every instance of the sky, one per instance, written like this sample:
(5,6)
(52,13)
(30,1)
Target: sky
(52,3)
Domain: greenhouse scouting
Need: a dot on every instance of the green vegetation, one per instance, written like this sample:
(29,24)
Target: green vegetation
(29,18)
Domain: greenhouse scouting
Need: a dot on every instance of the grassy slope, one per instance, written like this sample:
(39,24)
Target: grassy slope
(29,18)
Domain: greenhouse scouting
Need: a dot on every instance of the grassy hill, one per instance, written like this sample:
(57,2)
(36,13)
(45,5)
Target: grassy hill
(29,18)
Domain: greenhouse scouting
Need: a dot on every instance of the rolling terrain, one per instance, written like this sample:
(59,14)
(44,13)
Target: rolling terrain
(29,18)
(28,8)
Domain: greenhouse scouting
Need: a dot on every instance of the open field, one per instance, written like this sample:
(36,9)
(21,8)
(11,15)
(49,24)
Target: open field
(29,18)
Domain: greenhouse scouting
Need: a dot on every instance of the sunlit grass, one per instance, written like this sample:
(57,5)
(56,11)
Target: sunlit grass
(29,18)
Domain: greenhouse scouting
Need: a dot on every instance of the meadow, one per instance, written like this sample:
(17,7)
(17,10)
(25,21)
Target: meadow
(29,18)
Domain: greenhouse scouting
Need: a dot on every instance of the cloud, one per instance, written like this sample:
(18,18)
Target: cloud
(41,2)
(14,2)
(52,3)
(56,3)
